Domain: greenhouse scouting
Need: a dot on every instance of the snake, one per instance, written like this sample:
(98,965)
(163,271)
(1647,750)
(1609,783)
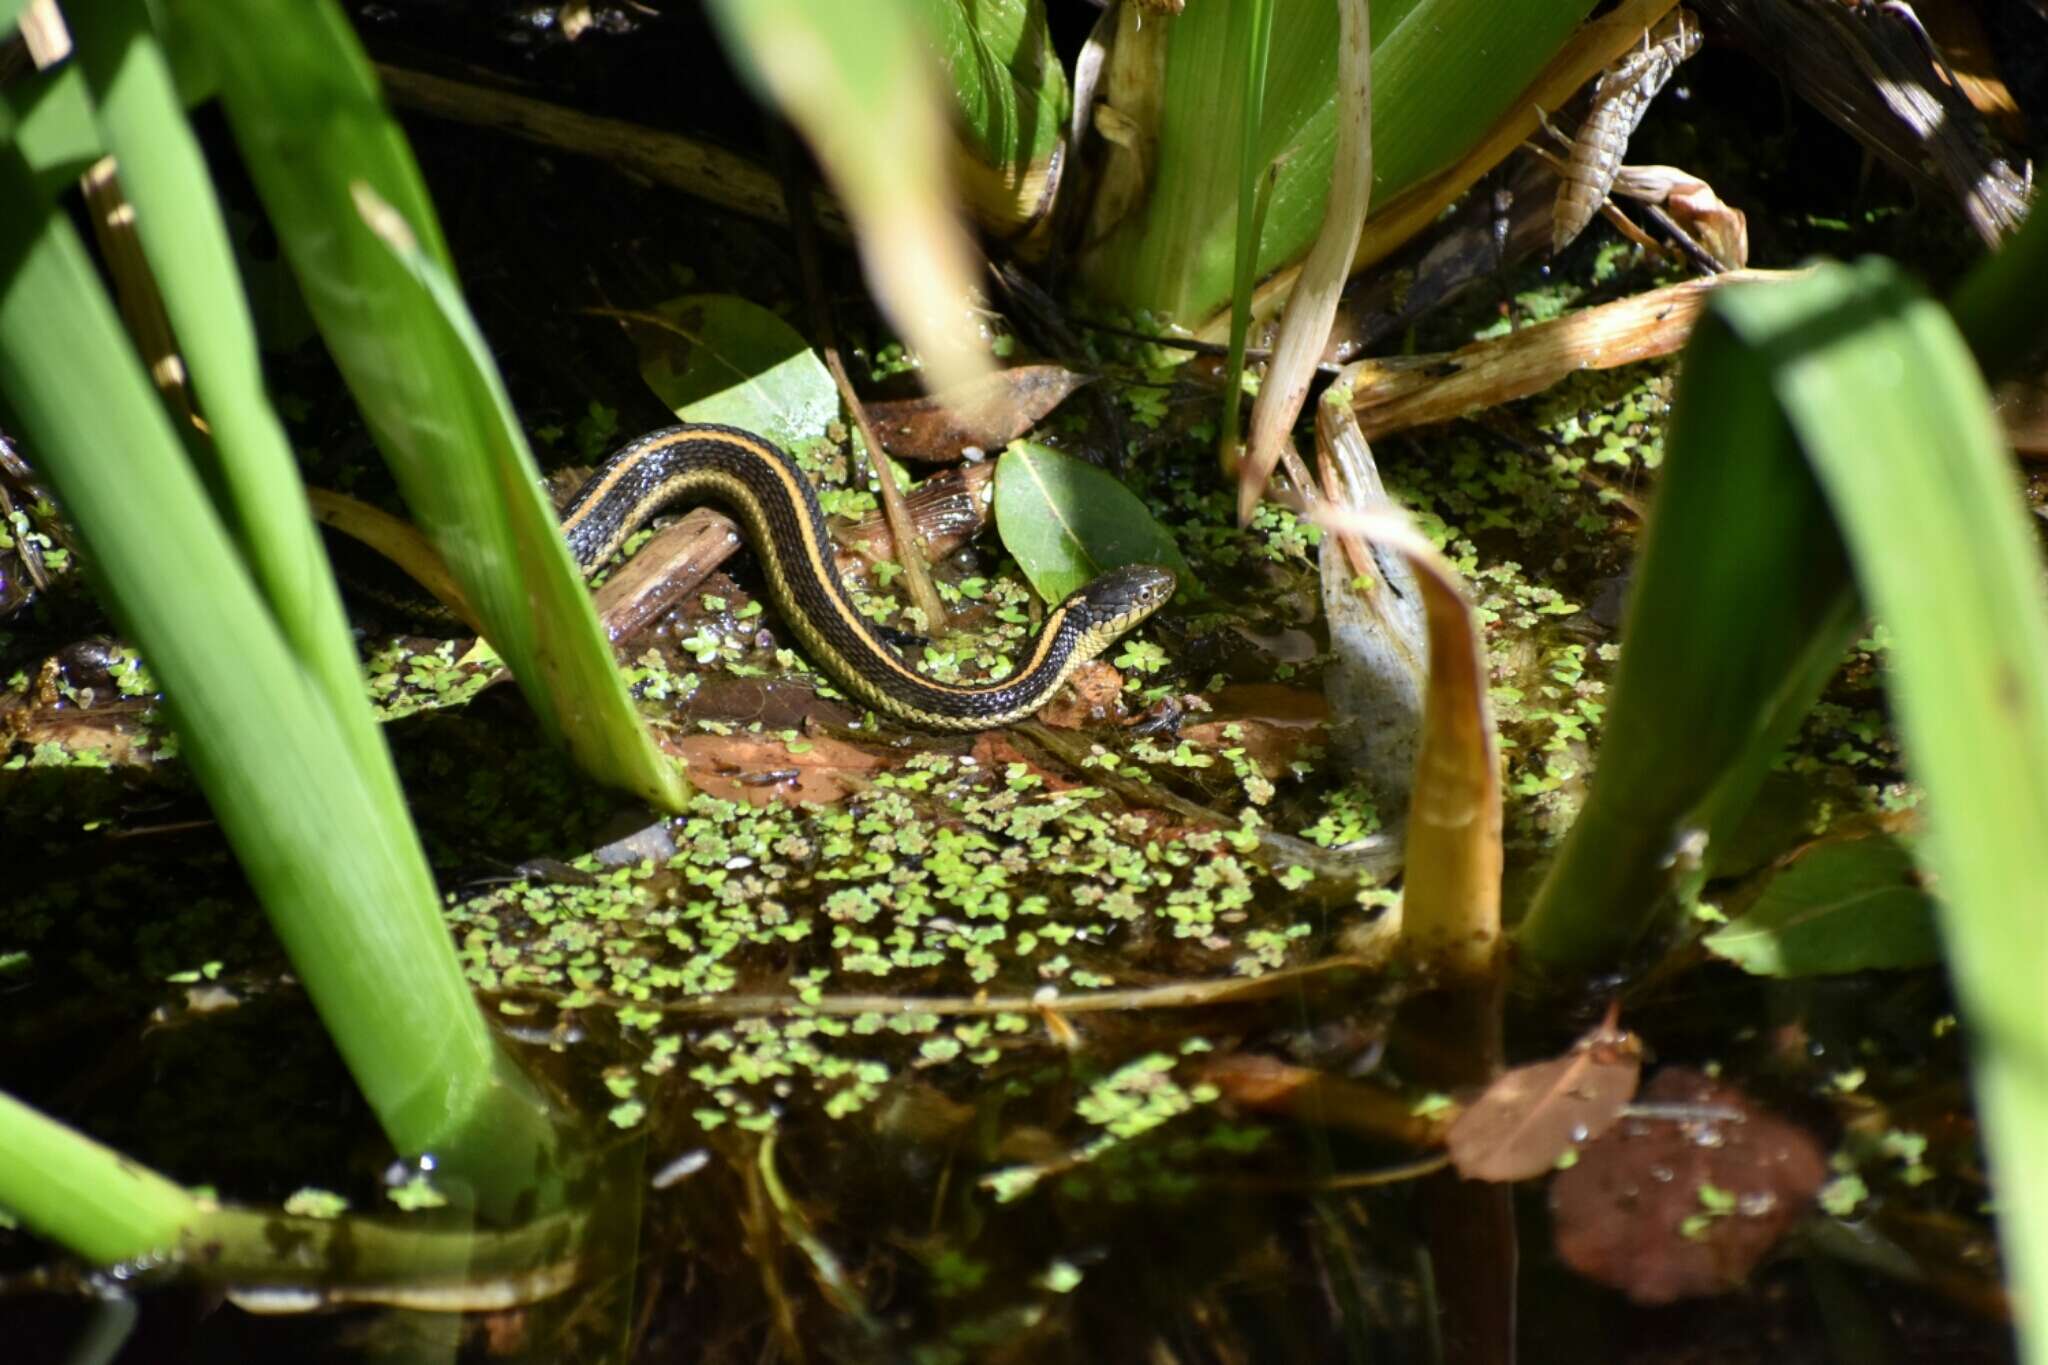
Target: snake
(775,504)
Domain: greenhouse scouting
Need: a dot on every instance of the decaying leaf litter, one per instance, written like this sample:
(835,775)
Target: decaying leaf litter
(991,874)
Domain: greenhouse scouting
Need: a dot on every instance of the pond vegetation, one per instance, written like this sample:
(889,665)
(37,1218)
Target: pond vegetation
(629,992)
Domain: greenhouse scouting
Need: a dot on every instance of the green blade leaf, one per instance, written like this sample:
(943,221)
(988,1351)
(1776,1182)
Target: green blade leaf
(184,237)
(1741,609)
(1840,907)
(325,844)
(354,219)
(1892,419)
(1065,522)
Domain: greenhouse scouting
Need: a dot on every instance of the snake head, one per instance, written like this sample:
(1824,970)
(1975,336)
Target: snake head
(1107,606)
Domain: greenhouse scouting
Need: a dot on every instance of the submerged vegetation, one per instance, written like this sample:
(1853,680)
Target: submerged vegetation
(1246,1002)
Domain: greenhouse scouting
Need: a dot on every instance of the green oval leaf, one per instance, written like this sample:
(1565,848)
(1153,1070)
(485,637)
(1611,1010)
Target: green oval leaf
(717,358)
(1065,522)
(1839,907)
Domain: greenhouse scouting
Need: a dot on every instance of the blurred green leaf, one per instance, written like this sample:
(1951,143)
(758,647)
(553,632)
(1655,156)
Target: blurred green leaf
(1065,522)
(1839,907)
(1894,417)
(355,221)
(858,82)
(54,126)
(1442,70)
(721,358)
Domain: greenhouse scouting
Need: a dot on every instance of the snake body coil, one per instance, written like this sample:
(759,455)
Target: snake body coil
(774,502)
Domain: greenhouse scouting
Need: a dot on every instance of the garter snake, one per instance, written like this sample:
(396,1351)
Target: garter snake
(775,504)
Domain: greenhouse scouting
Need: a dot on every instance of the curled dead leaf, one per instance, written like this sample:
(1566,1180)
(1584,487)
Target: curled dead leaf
(1719,227)
(948,509)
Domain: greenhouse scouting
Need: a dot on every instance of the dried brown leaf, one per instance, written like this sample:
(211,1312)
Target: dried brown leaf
(1397,392)
(1270,722)
(1532,1115)
(1671,1207)
(1093,696)
(1271,1086)
(987,414)
(757,769)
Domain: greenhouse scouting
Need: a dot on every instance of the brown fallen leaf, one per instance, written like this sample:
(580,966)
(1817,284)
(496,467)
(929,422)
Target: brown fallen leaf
(1665,1207)
(758,769)
(1530,1116)
(987,414)
(994,752)
(1271,1086)
(1271,722)
(1093,696)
